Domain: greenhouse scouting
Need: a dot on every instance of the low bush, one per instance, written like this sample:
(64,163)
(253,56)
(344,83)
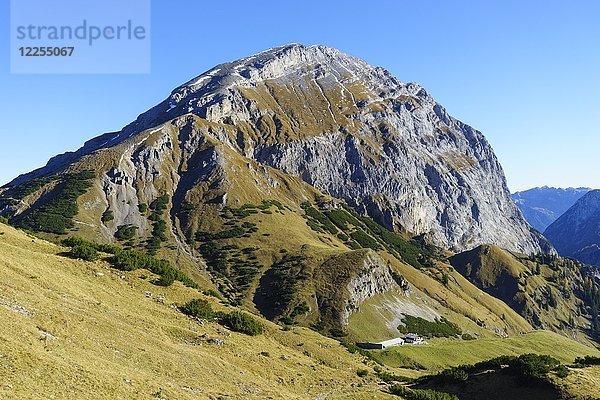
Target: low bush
(534,366)
(107,216)
(388,377)
(198,308)
(241,322)
(562,371)
(454,375)
(587,360)
(362,373)
(125,232)
(420,394)
(129,260)
(365,240)
(84,251)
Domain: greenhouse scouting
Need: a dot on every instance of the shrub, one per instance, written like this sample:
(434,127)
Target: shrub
(4,220)
(125,232)
(341,218)
(167,277)
(160,204)
(83,251)
(454,375)
(129,260)
(388,377)
(143,207)
(562,371)
(534,366)
(314,226)
(364,239)
(338,332)
(420,394)
(362,373)
(198,308)
(312,214)
(468,336)
(107,216)
(241,322)
(587,360)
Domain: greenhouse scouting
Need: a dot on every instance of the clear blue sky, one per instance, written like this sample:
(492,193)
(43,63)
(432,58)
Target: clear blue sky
(525,73)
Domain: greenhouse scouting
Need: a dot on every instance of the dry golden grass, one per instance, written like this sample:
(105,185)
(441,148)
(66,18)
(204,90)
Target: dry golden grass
(582,383)
(77,330)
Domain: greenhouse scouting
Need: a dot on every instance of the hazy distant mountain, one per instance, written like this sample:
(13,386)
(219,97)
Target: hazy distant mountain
(541,206)
(577,232)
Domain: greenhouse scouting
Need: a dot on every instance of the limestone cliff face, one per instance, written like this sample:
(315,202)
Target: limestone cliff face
(373,278)
(347,128)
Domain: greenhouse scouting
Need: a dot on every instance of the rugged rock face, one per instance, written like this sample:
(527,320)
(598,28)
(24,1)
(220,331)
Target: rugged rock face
(347,128)
(542,206)
(577,232)
(375,277)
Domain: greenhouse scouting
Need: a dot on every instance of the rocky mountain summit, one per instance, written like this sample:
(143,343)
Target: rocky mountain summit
(577,232)
(541,206)
(286,123)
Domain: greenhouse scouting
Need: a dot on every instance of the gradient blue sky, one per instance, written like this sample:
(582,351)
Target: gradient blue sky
(525,73)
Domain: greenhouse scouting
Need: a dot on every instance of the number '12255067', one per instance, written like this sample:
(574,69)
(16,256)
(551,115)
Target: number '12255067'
(46,51)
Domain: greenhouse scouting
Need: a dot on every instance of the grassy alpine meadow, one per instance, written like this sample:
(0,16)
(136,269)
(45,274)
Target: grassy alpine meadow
(76,329)
(440,353)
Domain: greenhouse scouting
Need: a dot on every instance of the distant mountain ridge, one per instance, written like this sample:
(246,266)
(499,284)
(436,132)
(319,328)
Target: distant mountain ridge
(577,232)
(541,206)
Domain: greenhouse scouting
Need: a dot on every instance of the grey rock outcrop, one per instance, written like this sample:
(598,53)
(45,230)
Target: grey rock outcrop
(374,278)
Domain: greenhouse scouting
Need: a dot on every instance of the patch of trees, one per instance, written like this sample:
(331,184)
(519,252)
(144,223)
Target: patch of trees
(365,241)
(389,377)
(237,321)
(440,327)
(56,214)
(280,286)
(591,292)
(527,368)
(129,260)
(317,218)
(12,195)
(358,231)
(159,225)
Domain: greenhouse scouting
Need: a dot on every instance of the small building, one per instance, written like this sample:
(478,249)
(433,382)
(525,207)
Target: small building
(381,345)
(413,338)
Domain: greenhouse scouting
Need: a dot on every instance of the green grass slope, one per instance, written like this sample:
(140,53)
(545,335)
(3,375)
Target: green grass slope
(545,290)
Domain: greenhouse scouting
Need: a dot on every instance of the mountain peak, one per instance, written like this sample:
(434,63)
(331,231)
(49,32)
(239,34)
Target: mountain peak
(290,65)
(279,61)
(348,129)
